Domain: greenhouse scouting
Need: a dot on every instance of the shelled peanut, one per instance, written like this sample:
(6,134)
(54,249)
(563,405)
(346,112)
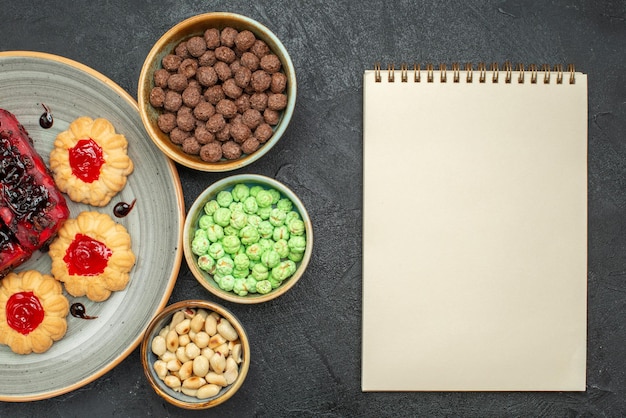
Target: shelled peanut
(199,353)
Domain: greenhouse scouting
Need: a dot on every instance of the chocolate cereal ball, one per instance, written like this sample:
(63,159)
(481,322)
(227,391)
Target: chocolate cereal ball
(243,103)
(250,145)
(252,118)
(250,61)
(270,116)
(231,89)
(157,97)
(242,76)
(191,96)
(227,108)
(211,152)
(240,132)
(171,62)
(277,101)
(244,40)
(196,46)
(260,48)
(212,38)
(263,132)
(177,82)
(225,54)
(191,146)
(160,77)
(228,36)
(215,123)
(207,59)
(185,119)
(206,76)
(279,83)
(166,122)
(204,110)
(223,71)
(214,94)
(270,63)
(203,136)
(258,101)
(177,135)
(260,81)
(188,67)
(234,66)
(224,134)
(181,50)
(231,150)
(173,101)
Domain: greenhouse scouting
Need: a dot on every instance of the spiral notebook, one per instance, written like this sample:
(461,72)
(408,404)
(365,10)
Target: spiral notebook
(474,229)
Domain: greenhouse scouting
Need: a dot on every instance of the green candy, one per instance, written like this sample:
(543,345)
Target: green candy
(259,272)
(281,271)
(200,233)
(266,229)
(205,221)
(224,198)
(263,287)
(215,233)
(274,283)
(250,205)
(207,263)
(240,192)
(251,284)
(227,283)
(284,204)
(254,220)
(239,286)
(254,251)
(264,198)
(296,227)
(210,207)
(266,244)
(229,230)
(270,258)
(224,265)
(280,232)
(249,235)
(238,219)
(277,217)
(297,257)
(241,261)
(291,216)
(200,245)
(240,273)
(254,190)
(216,250)
(222,216)
(275,195)
(282,248)
(264,213)
(297,243)
(231,244)
(236,206)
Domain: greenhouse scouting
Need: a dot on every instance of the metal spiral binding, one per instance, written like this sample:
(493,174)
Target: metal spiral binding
(482,69)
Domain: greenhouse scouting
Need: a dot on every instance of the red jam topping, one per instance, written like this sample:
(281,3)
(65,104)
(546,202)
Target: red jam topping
(24,312)
(86,256)
(86,160)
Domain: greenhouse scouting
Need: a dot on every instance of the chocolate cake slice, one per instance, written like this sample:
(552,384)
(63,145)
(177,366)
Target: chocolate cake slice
(32,209)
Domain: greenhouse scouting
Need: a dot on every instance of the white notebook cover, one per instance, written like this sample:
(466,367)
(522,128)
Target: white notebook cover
(474,234)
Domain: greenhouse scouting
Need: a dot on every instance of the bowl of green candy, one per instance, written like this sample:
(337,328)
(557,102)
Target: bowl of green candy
(247,238)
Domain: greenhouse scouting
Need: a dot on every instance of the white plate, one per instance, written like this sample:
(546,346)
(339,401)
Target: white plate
(92,347)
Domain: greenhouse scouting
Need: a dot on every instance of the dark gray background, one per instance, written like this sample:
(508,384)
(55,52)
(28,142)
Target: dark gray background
(306,344)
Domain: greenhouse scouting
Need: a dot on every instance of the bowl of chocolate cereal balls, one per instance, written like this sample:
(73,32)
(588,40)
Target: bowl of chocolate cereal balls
(217,91)
(247,238)
(195,354)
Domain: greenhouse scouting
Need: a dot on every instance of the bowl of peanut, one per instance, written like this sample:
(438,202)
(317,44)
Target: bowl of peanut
(195,354)
(217,91)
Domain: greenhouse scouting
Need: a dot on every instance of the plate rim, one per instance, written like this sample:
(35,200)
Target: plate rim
(179,248)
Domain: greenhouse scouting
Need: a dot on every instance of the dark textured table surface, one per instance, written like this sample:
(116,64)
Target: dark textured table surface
(306,345)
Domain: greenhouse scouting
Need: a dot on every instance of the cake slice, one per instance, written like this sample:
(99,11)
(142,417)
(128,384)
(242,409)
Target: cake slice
(32,209)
